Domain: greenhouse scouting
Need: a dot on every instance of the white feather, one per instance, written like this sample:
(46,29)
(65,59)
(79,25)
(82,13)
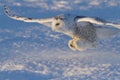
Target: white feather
(91,20)
(83,32)
(95,21)
(114,25)
(41,21)
(105,32)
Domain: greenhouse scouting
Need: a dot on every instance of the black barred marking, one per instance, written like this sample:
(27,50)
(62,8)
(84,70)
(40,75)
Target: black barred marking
(87,32)
(30,18)
(71,45)
(17,16)
(26,19)
(99,19)
(59,17)
(5,7)
(96,18)
(80,16)
(7,11)
(77,17)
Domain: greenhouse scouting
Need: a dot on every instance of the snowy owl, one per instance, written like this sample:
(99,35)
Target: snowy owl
(84,31)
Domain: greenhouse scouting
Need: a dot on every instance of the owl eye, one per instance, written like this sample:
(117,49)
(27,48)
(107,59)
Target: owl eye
(57,24)
(59,17)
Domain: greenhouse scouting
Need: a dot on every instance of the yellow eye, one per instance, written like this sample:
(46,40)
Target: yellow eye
(57,24)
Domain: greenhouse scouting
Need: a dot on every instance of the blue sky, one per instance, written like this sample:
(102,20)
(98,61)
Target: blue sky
(32,49)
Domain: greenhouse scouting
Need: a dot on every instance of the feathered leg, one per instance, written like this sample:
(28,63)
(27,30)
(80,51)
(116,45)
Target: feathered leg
(81,44)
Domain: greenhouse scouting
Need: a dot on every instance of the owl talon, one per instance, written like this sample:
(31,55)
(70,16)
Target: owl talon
(71,45)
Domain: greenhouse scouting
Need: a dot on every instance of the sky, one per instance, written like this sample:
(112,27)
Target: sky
(31,51)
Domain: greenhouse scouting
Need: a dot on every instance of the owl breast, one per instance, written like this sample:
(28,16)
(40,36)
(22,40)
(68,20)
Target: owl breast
(85,31)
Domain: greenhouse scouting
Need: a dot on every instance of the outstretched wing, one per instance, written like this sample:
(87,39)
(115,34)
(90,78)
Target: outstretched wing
(41,21)
(97,21)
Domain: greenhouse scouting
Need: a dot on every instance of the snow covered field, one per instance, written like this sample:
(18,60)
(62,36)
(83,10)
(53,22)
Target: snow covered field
(30,51)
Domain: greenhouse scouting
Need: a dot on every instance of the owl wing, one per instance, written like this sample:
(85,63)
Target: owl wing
(105,32)
(101,32)
(98,21)
(41,21)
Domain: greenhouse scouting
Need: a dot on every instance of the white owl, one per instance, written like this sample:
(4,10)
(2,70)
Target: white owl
(84,31)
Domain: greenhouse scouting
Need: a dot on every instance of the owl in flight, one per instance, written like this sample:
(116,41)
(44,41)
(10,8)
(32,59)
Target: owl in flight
(84,31)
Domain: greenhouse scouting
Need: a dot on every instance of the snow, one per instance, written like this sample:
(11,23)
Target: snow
(30,51)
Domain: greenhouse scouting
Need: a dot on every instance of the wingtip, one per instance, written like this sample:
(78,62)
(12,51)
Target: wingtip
(6,9)
(4,5)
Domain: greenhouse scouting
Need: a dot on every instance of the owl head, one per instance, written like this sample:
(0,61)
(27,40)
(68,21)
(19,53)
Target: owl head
(58,23)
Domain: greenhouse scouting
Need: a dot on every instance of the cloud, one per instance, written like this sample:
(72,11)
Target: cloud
(95,3)
(17,4)
(61,5)
(66,4)
(113,3)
